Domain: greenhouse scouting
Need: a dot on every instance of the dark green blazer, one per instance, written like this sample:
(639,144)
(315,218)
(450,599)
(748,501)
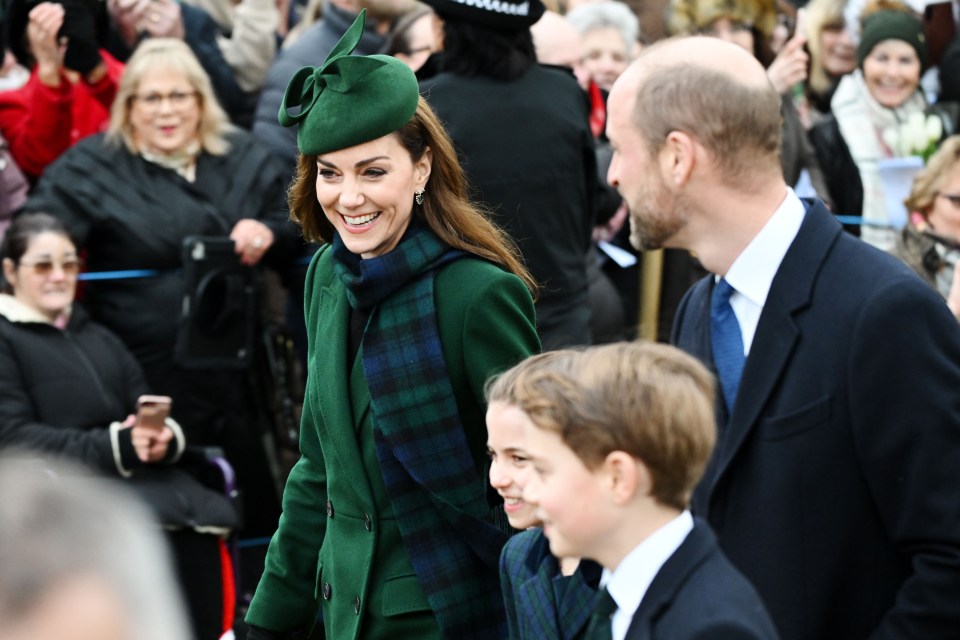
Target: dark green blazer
(338,545)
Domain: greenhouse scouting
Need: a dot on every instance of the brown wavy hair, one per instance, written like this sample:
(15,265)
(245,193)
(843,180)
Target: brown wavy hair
(447,209)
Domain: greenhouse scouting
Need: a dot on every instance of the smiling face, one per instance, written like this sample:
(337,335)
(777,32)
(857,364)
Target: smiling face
(45,278)
(570,498)
(509,463)
(165,112)
(367,193)
(892,72)
(839,50)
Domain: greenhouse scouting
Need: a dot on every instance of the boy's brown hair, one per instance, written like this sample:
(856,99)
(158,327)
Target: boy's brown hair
(649,400)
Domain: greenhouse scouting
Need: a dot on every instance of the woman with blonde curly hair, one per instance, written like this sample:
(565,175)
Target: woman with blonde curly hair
(930,242)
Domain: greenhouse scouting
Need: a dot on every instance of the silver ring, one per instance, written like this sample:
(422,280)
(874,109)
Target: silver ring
(257,242)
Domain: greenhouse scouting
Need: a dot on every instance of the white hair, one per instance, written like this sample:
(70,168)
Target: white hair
(58,523)
(599,15)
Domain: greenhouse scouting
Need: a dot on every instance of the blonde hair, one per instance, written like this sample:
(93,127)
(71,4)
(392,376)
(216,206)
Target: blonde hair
(928,181)
(446,208)
(821,15)
(649,400)
(174,54)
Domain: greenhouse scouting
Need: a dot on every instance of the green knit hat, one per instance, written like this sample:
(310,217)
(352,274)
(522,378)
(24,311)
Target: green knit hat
(349,100)
(892,24)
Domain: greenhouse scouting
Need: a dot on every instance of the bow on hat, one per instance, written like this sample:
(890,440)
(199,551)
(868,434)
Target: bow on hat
(349,99)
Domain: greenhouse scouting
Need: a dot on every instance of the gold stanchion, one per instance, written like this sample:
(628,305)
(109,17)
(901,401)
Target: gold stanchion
(651,282)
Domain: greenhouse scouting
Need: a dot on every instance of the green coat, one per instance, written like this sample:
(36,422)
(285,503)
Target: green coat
(338,543)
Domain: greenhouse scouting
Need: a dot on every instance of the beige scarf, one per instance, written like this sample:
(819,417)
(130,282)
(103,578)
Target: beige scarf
(862,121)
(183,162)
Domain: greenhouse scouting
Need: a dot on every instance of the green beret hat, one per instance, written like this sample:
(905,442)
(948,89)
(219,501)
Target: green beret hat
(349,100)
(892,24)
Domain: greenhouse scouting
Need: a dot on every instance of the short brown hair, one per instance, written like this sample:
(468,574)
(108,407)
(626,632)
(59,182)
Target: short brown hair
(737,123)
(446,208)
(649,400)
(928,181)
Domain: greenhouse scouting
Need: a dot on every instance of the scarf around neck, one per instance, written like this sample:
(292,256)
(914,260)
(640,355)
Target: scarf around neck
(862,120)
(423,452)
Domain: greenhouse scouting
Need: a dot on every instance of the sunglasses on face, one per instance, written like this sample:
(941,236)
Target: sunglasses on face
(70,267)
(952,197)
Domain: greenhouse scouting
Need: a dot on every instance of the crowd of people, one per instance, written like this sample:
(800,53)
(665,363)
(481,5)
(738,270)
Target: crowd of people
(381,259)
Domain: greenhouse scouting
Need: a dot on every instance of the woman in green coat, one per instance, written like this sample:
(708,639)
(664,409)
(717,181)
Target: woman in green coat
(415,300)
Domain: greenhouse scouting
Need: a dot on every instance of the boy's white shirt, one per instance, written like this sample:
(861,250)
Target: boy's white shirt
(628,583)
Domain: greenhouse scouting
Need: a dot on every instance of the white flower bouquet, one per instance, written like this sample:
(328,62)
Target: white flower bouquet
(919,136)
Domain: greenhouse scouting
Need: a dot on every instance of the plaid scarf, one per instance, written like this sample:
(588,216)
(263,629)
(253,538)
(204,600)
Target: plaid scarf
(434,488)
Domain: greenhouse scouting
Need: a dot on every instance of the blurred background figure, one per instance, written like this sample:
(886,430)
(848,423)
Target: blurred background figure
(876,98)
(69,388)
(930,242)
(170,167)
(81,559)
(539,182)
(610,34)
(833,54)
(412,38)
(70,90)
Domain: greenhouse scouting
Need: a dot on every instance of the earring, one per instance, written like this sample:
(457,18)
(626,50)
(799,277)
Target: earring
(418,196)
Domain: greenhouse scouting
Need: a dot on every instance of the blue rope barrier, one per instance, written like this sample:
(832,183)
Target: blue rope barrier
(253,542)
(119,275)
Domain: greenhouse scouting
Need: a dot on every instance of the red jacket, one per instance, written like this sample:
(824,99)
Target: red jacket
(41,122)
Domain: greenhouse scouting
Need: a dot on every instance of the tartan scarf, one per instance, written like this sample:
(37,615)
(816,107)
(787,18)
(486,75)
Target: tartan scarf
(436,493)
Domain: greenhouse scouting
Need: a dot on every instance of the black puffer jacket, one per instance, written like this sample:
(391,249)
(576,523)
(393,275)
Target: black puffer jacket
(64,392)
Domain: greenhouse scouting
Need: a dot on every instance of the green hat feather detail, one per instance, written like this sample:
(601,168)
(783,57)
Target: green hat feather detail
(348,100)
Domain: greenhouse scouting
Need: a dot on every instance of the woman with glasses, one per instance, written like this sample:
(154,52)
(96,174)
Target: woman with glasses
(171,166)
(69,388)
(930,242)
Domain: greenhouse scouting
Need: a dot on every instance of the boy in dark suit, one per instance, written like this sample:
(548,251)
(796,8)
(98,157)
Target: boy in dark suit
(618,436)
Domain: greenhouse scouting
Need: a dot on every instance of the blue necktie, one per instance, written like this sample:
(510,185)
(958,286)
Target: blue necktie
(727,342)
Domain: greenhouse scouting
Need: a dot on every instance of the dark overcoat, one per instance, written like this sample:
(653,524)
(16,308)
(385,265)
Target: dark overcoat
(833,487)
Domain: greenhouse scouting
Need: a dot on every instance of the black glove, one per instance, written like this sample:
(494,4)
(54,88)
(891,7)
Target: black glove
(256,633)
(80,26)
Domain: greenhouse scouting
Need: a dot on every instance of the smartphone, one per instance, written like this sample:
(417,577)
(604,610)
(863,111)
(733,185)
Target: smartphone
(152,411)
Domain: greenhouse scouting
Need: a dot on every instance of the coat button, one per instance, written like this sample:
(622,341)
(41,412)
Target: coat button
(329,509)
(356,605)
(326,590)
(367,523)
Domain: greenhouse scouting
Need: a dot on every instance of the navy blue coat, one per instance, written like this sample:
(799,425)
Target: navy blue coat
(698,594)
(531,581)
(834,486)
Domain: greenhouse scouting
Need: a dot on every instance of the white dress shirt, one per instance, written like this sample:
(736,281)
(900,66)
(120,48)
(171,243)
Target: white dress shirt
(628,583)
(751,274)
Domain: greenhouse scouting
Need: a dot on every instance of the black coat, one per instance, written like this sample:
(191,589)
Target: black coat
(833,486)
(60,392)
(528,151)
(698,595)
(128,213)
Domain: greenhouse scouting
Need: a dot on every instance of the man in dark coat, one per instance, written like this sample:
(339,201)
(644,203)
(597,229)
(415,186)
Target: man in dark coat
(833,486)
(523,136)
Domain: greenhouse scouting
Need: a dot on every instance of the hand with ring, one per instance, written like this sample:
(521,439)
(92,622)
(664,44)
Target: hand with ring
(252,239)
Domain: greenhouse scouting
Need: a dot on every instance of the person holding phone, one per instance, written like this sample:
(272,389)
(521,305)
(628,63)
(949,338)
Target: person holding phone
(70,388)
